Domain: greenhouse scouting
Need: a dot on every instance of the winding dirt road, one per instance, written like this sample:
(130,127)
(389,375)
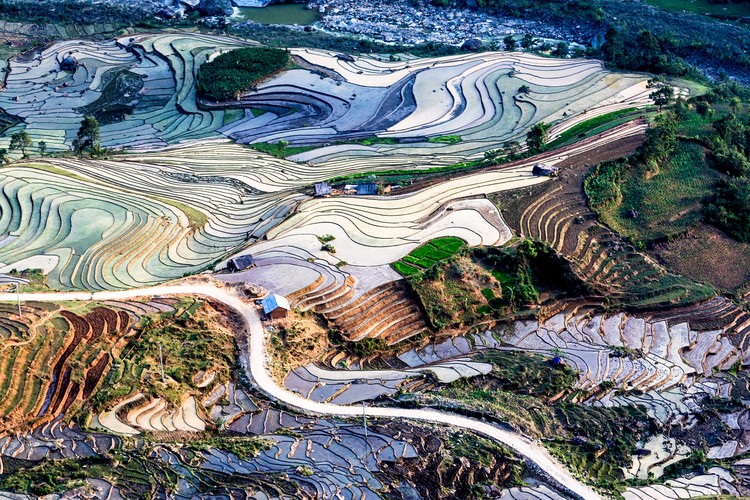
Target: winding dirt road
(257,365)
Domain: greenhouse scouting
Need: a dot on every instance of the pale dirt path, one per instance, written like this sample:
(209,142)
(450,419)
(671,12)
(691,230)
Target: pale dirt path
(257,364)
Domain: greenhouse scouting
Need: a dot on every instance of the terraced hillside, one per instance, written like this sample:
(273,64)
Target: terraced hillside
(157,107)
(560,217)
(54,360)
(116,225)
(412,105)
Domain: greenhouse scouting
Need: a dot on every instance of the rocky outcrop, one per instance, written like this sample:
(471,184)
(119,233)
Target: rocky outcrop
(215,8)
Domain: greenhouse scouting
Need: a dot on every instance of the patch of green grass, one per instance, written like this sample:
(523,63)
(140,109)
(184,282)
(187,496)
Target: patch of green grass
(280,149)
(706,7)
(445,139)
(370,141)
(405,269)
(525,373)
(667,203)
(191,340)
(429,254)
(581,129)
(54,476)
(196,218)
(694,125)
(480,450)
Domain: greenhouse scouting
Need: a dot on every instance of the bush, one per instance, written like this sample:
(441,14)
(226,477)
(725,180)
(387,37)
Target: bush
(730,210)
(235,72)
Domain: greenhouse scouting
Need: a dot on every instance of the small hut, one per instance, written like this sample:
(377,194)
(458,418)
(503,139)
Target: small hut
(367,188)
(240,263)
(69,63)
(323,189)
(275,306)
(545,170)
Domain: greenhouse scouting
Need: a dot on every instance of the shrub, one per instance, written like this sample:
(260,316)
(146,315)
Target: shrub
(730,210)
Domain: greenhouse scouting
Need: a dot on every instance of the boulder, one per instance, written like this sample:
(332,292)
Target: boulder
(169,12)
(472,44)
(191,3)
(215,8)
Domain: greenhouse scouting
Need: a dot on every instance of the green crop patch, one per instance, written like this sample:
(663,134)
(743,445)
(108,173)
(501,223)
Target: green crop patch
(428,255)
(583,128)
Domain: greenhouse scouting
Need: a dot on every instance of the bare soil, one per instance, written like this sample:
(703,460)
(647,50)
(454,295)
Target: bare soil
(708,255)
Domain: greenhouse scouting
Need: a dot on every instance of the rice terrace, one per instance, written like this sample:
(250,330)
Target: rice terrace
(403,250)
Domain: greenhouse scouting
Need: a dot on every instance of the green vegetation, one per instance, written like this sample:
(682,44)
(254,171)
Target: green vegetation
(191,339)
(580,130)
(280,149)
(447,139)
(326,238)
(527,373)
(20,140)
(707,7)
(429,254)
(196,218)
(604,441)
(361,348)
(536,138)
(55,476)
(730,209)
(37,280)
(87,139)
(238,71)
(485,452)
(675,180)
(489,283)
(646,207)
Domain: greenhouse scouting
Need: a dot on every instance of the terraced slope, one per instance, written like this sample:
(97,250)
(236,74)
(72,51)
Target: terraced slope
(55,361)
(116,225)
(156,109)
(559,216)
(472,96)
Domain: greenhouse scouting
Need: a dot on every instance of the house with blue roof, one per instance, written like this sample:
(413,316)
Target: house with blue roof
(276,306)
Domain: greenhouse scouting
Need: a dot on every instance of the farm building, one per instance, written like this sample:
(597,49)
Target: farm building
(367,188)
(240,263)
(544,169)
(323,189)
(69,64)
(275,306)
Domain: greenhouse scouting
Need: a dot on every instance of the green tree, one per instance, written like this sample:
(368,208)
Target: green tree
(3,156)
(702,108)
(87,139)
(42,148)
(527,41)
(510,43)
(20,140)
(661,141)
(730,210)
(536,138)
(562,49)
(662,96)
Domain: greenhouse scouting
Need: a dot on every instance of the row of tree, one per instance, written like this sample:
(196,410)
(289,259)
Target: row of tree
(85,143)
